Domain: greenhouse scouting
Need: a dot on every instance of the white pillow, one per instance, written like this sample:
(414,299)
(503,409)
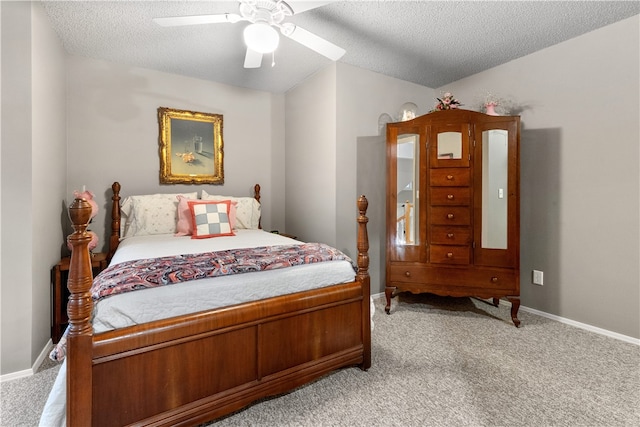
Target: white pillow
(247,210)
(150,214)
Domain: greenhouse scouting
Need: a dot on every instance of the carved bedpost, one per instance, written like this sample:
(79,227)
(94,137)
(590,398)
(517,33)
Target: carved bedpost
(256,195)
(114,240)
(79,308)
(256,192)
(363,277)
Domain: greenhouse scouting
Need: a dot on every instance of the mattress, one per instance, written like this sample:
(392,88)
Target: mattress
(147,305)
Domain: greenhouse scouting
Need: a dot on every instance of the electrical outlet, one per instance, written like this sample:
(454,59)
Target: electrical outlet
(538,277)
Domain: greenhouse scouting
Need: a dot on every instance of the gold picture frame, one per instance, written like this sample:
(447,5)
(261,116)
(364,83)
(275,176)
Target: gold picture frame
(191,147)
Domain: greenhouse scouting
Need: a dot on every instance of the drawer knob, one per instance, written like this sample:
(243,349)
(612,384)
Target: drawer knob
(449,254)
(450,177)
(450,235)
(494,279)
(450,196)
(450,216)
(407,273)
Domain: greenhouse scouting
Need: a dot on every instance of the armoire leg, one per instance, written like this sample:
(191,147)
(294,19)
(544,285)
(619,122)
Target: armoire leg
(515,306)
(388,292)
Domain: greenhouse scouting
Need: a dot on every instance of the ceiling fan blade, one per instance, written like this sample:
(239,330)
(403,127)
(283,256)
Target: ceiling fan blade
(252,59)
(175,21)
(313,42)
(299,6)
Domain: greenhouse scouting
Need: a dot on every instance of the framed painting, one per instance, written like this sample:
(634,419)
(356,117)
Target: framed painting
(191,148)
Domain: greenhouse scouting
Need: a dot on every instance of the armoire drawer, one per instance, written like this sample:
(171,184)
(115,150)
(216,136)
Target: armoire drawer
(444,254)
(408,273)
(436,277)
(446,235)
(450,196)
(487,279)
(454,215)
(450,177)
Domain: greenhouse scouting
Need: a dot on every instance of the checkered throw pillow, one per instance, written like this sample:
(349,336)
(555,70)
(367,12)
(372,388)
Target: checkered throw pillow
(210,219)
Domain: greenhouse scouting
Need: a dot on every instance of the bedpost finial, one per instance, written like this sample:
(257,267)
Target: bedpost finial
(80,277)
(80,214)
(363,204)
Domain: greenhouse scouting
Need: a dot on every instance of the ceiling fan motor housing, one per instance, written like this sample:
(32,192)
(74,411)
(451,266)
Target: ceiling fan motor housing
(270,11)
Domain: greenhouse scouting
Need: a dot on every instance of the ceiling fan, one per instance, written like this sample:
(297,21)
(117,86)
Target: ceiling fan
(261,35)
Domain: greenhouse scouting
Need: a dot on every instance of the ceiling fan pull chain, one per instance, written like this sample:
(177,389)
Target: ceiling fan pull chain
(273,58)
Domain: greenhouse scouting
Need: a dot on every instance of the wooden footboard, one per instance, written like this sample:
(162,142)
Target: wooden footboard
(193,368)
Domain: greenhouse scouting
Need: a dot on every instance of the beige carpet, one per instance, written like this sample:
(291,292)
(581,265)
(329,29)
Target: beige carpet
(442,362)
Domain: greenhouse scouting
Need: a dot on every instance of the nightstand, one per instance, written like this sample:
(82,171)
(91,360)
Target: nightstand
(291,236)
(61,293)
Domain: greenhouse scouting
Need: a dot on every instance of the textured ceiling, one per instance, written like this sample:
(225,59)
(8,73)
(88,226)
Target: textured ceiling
(431,43)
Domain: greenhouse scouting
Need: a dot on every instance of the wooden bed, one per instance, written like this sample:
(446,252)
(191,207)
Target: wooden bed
(194,368)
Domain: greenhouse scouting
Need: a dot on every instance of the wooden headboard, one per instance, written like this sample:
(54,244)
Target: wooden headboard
(116,218)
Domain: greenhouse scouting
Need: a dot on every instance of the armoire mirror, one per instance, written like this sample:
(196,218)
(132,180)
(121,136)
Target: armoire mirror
(494,188)
(408,181)
(449,145)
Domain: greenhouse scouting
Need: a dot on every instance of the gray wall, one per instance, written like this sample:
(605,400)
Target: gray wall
(310,153)
(325,117)
(113,135)
(580,179)
(372,158)
(33,179)
(362,97)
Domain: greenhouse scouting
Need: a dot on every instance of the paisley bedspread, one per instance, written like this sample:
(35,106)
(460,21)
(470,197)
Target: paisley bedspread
(153,272)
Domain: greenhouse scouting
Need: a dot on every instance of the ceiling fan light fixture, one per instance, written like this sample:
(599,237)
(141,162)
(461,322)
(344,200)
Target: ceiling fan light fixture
(261,37)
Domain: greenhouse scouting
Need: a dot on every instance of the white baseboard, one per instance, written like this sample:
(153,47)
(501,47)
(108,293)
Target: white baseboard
(580,325)
(560,319)
(28,372)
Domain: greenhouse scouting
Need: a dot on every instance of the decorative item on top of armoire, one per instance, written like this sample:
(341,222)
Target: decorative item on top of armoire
(490,108)
(459,170)
(446,102)
(408,111)
(495,105)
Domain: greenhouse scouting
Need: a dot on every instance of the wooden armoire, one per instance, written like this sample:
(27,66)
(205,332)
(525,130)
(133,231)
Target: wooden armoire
(453,206)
